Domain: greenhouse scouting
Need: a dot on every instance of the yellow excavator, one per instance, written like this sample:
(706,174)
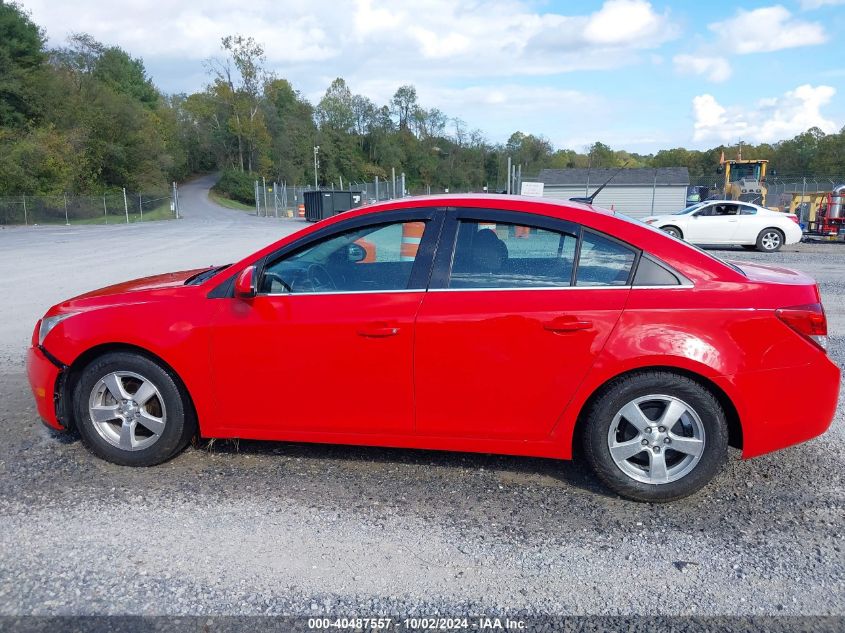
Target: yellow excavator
(745,180)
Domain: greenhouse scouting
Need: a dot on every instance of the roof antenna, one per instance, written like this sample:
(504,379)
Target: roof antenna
(589,199)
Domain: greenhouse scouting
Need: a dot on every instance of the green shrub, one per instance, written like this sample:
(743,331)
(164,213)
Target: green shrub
(237,185)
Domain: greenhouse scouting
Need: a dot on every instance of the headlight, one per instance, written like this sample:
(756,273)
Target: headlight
(48,323)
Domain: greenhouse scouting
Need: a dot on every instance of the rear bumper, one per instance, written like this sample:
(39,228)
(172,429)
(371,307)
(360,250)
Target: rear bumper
(782,407)
(43,375)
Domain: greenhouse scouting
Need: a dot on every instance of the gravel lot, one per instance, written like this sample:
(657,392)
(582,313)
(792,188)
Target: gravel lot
(254,528)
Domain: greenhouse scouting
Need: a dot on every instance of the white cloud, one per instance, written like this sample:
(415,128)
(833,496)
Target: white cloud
(767,29)
(443,38)
(716,69)
(769,120)
(816,4)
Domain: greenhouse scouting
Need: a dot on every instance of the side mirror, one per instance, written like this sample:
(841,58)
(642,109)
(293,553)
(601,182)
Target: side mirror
(245,283)
(355,253)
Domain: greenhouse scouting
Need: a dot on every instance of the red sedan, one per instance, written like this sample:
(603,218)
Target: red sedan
(468,323)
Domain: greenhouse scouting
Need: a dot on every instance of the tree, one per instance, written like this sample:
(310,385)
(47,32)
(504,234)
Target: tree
(21,57)
(404,102)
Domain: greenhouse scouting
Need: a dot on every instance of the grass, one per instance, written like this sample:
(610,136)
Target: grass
(228,202)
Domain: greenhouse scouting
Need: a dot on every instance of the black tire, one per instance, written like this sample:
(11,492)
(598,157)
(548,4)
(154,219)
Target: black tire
(674,231)
(626,389)
(770,240)
(749,247)
(179,420)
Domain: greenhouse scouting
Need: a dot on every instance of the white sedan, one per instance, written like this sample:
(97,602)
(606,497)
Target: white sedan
(731,222)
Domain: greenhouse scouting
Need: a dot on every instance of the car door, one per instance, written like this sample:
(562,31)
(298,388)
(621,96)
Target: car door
(518,308)
(749,225)
(714,224)
(326,345)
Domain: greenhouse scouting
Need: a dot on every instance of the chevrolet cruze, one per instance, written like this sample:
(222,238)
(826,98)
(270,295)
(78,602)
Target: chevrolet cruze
(465,323)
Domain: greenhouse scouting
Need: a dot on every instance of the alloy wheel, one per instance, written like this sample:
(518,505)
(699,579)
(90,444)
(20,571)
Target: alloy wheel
(127,410)
(770,240)
(656,439)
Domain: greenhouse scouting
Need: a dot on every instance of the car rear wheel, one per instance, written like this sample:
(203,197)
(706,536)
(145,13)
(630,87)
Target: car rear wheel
(673,231)
(131,411)
(769,240)
(655,436)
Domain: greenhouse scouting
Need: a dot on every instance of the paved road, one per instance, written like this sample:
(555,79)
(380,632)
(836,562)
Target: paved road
(255,527)
(45,264)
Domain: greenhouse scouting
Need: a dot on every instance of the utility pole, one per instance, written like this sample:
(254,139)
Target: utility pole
(125,205)
(316,164)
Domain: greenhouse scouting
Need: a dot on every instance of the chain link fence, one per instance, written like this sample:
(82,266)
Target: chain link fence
(781,189)
(108,208)
(287,201)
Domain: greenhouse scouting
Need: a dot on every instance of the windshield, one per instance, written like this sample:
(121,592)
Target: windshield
(690,209)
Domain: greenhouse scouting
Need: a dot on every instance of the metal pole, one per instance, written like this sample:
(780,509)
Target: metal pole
(509,175)
(519,180)
(105,210)
(257,200)
(377,199)
(125,205)
(402,185)
(316,165)
(141,207)
(24,211)
(393,179)
(264,186)
(275,200)
(341,182)
(67,222)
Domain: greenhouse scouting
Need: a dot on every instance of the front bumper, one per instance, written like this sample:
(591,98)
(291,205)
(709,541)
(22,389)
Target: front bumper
(782,407)
(44,375)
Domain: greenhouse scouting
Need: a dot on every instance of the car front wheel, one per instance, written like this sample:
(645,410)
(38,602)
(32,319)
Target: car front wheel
(655,436)
(131,411)
(769,240)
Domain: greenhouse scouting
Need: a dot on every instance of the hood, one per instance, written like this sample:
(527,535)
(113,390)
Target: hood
(145,284)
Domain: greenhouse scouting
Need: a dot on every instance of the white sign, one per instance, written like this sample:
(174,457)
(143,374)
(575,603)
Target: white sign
(532,189)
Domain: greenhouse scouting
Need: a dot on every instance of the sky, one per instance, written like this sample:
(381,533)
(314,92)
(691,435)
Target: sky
(633,74)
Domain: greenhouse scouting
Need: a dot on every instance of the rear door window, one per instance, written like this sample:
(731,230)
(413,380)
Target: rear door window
(603,261)
(504,255)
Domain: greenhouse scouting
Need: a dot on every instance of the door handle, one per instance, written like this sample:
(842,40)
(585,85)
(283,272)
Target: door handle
(378,330)
(567,324)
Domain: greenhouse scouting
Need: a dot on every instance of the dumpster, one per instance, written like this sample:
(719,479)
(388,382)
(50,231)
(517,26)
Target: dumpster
(323,204)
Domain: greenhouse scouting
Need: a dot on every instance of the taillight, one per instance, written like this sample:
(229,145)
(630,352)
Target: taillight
(808,320)
(794,218)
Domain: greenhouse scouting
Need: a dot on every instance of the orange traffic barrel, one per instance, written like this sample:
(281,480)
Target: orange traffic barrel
(412,233)
(300,210)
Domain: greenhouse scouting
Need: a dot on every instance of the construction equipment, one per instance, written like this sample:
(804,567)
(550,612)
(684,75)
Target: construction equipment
(745,180)
(824,213)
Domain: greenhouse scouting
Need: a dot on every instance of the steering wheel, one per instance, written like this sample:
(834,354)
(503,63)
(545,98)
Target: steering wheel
(319,278)
(271,277)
